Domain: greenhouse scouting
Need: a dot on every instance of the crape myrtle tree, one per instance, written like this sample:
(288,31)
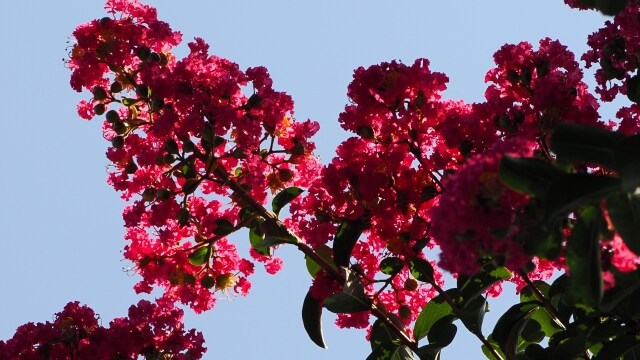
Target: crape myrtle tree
(530,186)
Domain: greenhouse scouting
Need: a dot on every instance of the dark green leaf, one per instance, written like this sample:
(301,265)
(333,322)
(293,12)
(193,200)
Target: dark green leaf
(352,298)
(436,309)
(472,315)
(381,335)
(325,253)
(624,211)
(583,258)
(626,285)
(541,316)
(345,240)
(478,283)
(429,352)
(510,325)
(583,143)
(275,234)
(344,303)
(391,352)
(572,191)
(443,331)
(633,86)
(224,227)
(200,256)
(391,265)
(627,162)
(256,237)
(284,197)
(421,269)
(528,175)
(619,346)
(312,319)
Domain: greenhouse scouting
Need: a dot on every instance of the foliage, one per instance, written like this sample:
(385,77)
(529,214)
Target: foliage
(527,183)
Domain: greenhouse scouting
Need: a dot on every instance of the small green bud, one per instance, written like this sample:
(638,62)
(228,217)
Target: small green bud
(116,87)
(163,194)
(149,194)
(142,91)
(143,53)
(117,142)
(131,167)
(99,109)
(113,116)
(188,146)
(404,311)
(99,93)
(154,57)
(183,217)
(120,127)
(171,146)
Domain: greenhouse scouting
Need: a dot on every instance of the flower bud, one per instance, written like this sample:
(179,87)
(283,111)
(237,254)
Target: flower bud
(149,194)
(411,284)
(99,109)
(171,146)
(163,194)
(117,142)
(113,116)
(183,217)
(142,91)
(116,87)
(404,311)
(99,93)
(120,127)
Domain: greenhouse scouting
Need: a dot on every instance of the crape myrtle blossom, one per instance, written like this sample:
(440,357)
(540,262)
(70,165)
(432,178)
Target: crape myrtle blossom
(150,330)
(199,146)
(181,131)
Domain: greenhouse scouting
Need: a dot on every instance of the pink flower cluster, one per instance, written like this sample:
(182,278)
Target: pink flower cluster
(183,131)
(152,331)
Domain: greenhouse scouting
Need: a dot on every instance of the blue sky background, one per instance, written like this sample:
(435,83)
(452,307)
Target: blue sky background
(60,223)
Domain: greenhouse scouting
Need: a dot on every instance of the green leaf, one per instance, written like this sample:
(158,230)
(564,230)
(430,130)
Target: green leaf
(436,309)
(391,352)
(345,240)
(422,270)
(224,227)
(391,265)
(583,259)
(583,143)
(275,234)
(478,283)
(429,352)
(381,335)
(344,304)
(528,175)
(626,285)
(627,162)
(352,298)
(443,331)
(200,256)
(325,253)
(541,316)
(256,237)
(312,319)
(510,325)
(284,197)
(619,346)
(572,191)
(624,212)
(472,315)
(633,87)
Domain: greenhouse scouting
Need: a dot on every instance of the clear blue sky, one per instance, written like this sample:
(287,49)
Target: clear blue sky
(60,223)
